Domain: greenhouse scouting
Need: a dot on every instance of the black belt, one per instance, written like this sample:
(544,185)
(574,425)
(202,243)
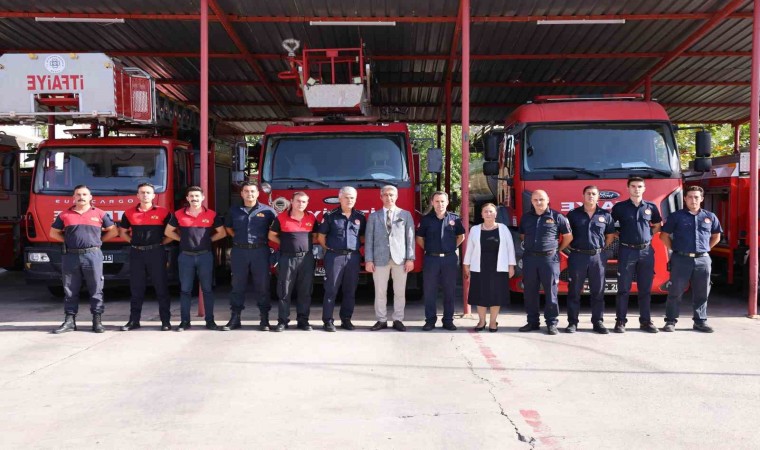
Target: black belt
(194,253)
(636,246)
(82,251)
(439,255)
(146,247)
(593,251)
(249,246)
(691,255)
(341,252)
(532,253)
(296,254)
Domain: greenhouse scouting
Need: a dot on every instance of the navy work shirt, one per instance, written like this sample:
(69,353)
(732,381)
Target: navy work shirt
(341,232)
(589,232)
(250,227)
(542,232)
(634,222)
(690,233)
(440,234)
(82,230)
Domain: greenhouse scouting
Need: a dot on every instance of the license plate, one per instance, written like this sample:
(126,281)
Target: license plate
(107,259)
(319,271)
(610,287)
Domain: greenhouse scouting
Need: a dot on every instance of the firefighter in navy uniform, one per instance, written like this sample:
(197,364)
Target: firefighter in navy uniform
(540,230)
(440,233)
(341,234)
(638,220)
(143,228)
(593,230)
(690,233)
(82,229)
(249,227)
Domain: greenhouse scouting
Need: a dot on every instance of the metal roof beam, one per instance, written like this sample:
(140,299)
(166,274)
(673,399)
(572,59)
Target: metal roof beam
(475,105)
(686,44)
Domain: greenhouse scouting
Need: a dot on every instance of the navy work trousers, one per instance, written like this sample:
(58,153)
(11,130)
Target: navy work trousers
(295,274)
(580,267)
(144,264)
(439,271)
(541,271)
(253,264)
(341,273)
(191,266)
(76,268)
(640,262)
(685,271)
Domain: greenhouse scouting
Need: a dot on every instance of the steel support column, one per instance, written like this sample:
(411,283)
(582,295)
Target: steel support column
(753,183)
(648,89)
(465,175)
(204,121)
(447,150)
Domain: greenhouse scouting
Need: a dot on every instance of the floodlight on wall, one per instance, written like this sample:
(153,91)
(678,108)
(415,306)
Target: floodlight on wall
(581,22)
(346,23)
(79,19)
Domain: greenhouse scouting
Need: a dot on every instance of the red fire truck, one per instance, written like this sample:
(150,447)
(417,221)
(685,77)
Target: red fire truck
(561,144)
(341,145)
(127,144)
(14,199)
(727,187)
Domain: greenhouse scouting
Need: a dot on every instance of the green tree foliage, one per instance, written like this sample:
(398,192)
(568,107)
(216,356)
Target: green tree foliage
(722,141)
(419,131)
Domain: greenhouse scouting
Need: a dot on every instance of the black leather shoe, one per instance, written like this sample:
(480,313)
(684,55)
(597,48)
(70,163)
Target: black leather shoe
(600,328)
(304,326)
(183,326)
(449,326)
(571,328)
(478,329)
(529,327)
(703,327)
(211,325)
(166,326)
(234,322)
(669,327)
(619,326)
(428,326)
(494,330)
(648,327)
(399,325)
(347,325)
(97,324)
(330,327)
(131,325)
(379,326)
(281,326)
(69,324)
(264,325)
(551,330)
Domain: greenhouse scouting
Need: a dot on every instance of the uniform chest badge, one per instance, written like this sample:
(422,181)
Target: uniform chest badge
(95,219)
(647,211)
(356,221)
(549,221)
(154,217)
(205,221)
(451,222)
(707,220)
(308,224)
(601,219)
(260,215)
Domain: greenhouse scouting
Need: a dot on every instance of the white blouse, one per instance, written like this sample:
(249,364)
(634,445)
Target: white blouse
(505,258)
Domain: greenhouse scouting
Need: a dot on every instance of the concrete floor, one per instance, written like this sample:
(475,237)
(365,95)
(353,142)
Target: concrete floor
(249,389)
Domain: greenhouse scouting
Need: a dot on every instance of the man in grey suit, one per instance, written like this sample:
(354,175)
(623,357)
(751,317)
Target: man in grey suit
(389,252)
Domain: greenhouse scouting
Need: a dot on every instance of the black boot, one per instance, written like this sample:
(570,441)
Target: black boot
(234,322)
(97,325)
(69,324)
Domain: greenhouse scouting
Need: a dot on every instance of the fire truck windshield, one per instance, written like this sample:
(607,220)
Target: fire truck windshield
(335,159)
(607,150)
(105,170)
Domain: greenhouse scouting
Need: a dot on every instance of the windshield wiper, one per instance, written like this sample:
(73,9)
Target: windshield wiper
(300,179)
(376,180)
(573,169)
(664,173)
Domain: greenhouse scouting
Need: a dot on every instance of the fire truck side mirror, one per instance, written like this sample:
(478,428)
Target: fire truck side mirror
(491,168)
(240,157)
(703,144)
(491,149)
(8,160)
(435,160)
(702,164)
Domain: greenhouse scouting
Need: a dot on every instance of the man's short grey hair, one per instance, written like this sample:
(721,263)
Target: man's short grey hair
(346,190)
(388,187)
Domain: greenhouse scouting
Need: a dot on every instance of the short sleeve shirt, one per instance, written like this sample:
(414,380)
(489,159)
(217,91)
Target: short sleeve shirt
(147,226)
(82,230)
(195,232)
(440,234)
(542,232)
(250,227)
(690,233)
(589,232)
(634,222)
(341,232)
(295,234)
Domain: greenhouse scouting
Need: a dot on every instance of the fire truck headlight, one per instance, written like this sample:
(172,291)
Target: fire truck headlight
(266,187)
(39,257)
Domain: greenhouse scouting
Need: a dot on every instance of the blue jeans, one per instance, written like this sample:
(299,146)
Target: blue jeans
(189,266)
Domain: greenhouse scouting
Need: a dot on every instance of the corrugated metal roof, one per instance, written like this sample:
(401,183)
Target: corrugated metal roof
(522,52)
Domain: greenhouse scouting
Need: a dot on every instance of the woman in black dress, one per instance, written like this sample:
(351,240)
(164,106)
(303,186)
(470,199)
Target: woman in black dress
(489,262)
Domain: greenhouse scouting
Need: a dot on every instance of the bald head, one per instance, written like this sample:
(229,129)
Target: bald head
(540,201)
